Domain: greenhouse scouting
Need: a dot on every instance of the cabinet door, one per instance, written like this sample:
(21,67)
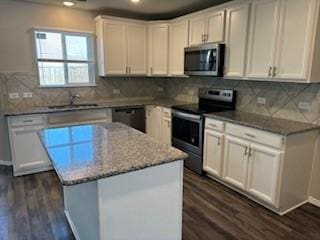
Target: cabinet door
(158,49)
(150,121)
(197,30)
(215,27)
(178,41)
(27,150)
(115,47)
(295,39)
(263,173)
(137,48)
(262,38)
(166,131)
(236,40)
(212,152)
(236,161)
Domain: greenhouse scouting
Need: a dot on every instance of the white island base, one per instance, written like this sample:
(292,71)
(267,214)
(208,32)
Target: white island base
(139,205)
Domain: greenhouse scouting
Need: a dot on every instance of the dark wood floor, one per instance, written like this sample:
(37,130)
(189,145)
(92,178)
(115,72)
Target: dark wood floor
(31,207)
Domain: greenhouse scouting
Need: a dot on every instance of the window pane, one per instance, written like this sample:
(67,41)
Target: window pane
(78,73)
(49,45)
(77,48)
(51,73)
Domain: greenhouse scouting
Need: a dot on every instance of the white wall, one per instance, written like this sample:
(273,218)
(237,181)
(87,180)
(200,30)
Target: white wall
(16,20)
(16,50)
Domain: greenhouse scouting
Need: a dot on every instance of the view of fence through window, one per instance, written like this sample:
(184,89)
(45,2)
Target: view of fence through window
(64,59)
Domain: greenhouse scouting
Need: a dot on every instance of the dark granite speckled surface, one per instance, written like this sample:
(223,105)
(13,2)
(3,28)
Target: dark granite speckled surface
(101,105)
(274,125)
(89,152)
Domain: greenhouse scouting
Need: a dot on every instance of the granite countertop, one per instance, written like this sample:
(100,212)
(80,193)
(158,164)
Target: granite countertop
(89,152)
(101,105)
(270,124)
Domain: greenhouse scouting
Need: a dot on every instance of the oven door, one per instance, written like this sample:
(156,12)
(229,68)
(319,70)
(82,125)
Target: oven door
(202,60)
(187,131)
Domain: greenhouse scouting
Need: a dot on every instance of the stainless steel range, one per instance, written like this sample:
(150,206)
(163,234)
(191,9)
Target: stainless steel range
(188,122)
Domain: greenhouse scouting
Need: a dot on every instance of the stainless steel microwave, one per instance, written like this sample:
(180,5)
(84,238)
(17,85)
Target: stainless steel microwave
(204,60)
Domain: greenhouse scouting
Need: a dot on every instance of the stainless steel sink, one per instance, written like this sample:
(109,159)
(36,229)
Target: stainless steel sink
(74,106)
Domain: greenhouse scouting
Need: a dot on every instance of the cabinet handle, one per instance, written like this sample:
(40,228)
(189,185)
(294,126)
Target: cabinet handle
(126,70)
(219,141)
(206,37)
(151,70)
(270,71)
(250,135)
(246,151)
(249,152)
(274,71)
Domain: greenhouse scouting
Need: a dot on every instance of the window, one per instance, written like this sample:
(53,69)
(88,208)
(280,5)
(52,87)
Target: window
(64,59)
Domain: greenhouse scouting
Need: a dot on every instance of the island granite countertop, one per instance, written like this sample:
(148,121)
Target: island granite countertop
(270,124)
(86,153)
(100,105)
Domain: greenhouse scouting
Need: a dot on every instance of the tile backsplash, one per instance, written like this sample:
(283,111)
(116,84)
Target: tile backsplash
(282,99)
(119,88)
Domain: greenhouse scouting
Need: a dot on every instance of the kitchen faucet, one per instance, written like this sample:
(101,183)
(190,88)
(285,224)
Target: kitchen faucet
(73,97)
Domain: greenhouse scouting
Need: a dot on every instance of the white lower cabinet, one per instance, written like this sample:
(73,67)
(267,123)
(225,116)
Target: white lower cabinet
(273,170)
(212,152)
(264,160)
(158,123)
(236,161)
(28,154)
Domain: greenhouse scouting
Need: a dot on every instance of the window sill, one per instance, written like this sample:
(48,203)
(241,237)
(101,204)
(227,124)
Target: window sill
(69,86)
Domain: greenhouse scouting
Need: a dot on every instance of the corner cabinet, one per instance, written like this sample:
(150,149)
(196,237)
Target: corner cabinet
(121,46)
(158,49)
(263,166)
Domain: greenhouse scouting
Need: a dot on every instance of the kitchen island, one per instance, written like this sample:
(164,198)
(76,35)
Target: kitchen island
(118,183)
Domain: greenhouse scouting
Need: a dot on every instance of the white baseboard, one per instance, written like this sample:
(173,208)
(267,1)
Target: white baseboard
(314,201)
(5,163)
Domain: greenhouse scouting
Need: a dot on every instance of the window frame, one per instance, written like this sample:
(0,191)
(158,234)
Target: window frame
(90,51)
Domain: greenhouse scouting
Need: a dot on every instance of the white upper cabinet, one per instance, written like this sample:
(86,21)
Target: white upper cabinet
(236,40)
(158,48)
(136,48)
(295,39)
(121,47)
(197,30)
(215,26)
(282,40)
(207,28)
(178,41)
(115,51)
(262,38)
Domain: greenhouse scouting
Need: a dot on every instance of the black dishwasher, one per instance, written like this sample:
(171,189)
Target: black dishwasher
(132,116)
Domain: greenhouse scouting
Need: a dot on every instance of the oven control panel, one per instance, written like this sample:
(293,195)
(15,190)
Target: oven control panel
(224,95)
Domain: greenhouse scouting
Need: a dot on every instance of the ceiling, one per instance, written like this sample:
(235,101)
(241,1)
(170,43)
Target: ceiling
(146,9)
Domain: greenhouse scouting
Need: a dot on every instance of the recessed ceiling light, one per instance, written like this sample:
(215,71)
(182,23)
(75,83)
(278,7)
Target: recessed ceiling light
(68,3)
(135,1)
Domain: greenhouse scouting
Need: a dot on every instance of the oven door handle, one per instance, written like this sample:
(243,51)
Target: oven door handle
(187,116)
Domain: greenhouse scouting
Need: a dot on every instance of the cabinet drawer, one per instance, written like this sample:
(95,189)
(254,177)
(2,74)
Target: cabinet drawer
(166,112)
(27,120)
(214,124)
(255,135)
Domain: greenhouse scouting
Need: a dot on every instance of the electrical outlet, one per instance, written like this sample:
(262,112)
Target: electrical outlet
(160,89)
(14,95)
(116,91)
(27,95)
(191,92)
(261,100)
(304,105)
